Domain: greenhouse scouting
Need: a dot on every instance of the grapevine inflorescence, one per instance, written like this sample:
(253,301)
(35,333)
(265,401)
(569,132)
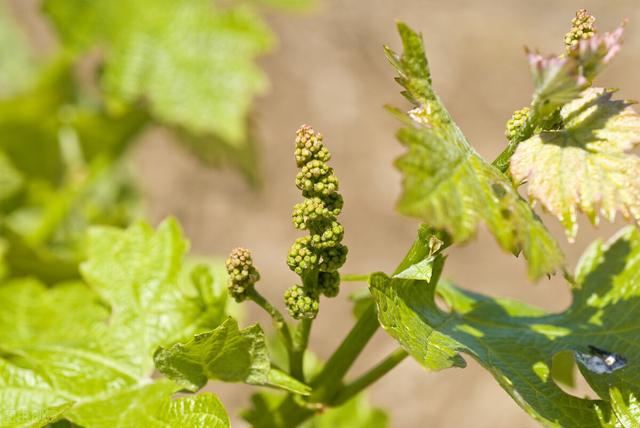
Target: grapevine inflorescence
(316,257)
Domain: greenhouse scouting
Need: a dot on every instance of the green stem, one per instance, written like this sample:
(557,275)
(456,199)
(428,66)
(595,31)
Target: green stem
(300,342)
(278,320)
(329,381)
(502,161)
(354,278)
(362,382)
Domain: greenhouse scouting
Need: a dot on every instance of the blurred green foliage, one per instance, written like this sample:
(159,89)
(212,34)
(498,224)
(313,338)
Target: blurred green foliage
(121,67)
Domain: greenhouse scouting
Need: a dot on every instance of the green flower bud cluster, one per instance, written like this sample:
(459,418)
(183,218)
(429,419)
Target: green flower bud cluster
(582,28)
(316,209)
(242,274)
(329,283)
(517,122)
(302,256)
(318,256)
(301,303)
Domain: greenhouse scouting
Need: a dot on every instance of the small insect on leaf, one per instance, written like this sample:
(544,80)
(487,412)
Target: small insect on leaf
(600,361)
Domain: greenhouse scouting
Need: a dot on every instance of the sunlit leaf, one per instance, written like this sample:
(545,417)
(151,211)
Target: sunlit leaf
(228,354)
(84,353)
(447,184)
(585,166)
(191,60)
(517,343)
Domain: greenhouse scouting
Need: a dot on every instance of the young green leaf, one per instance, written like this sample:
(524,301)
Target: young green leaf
(225,353)
(517,342)
(191,60)
(149,406)
(556,81)
(585,165)
(69,352)
(560,79)
(447,184)
(137,272)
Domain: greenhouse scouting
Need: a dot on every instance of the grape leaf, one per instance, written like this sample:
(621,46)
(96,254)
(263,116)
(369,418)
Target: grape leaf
(585,165)
(447,184)
(191,60)
(627,409)
(85,353)
(558,80)
(516,342)
(225,353)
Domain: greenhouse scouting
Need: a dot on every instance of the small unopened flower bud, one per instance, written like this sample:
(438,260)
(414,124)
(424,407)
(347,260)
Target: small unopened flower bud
(582,28)
(242,274)
(309,146)
(333,258)
(317,177)
(517,122)
(329,236)
(301,256)
(300,303)
(329,283)
(316,209)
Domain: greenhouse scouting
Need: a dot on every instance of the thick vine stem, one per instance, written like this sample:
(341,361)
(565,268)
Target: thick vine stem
(362,382)
(300,343)
(329,380)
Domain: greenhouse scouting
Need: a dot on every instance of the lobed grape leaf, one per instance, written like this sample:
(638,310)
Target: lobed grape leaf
(516,342)
(84,353)
(225,353)
(447,184)
(584,165)
(191,60)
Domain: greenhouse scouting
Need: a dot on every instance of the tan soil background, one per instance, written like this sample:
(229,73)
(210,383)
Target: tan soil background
(329,71)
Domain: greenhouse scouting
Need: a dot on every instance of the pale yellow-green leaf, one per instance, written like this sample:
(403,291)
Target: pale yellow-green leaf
(84,351)
(585,166)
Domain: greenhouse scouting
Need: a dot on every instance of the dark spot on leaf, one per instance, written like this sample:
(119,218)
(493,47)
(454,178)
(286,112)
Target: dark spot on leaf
(499,190)
(600,361)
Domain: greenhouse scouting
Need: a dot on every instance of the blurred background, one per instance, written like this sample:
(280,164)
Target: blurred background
(328,70)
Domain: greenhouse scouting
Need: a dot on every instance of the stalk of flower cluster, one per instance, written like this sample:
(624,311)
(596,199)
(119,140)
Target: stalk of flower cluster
(241,284)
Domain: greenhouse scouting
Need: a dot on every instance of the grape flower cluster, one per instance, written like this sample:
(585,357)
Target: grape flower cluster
(517,122)
(582,28)
(316,257)
(242,274)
